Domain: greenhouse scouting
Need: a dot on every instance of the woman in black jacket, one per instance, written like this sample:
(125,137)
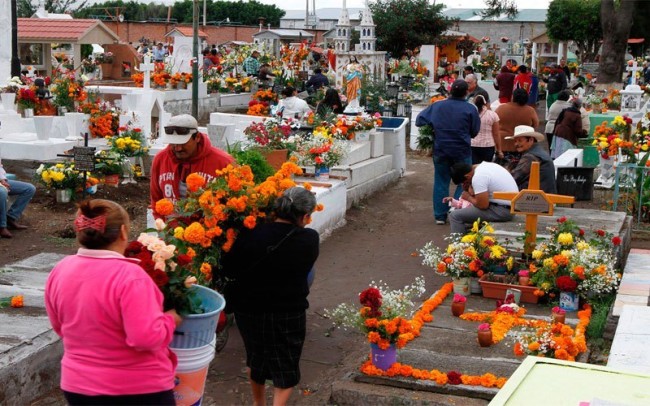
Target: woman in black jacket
(568,128)
(267,289)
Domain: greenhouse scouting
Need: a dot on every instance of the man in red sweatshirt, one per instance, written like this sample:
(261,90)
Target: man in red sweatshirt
(188,151)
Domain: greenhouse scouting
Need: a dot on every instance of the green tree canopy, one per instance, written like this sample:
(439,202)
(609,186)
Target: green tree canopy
(242,12)
(577,21)
(27,8)
(495,8)
(407,24)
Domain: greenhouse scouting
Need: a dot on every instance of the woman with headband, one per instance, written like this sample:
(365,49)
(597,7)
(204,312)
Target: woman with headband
(108,312)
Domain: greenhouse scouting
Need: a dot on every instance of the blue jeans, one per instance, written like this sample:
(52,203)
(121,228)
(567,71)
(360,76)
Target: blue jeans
(24,191)
(441,179)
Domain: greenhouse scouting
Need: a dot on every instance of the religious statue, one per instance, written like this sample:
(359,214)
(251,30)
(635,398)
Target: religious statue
(353,75)
(43,105)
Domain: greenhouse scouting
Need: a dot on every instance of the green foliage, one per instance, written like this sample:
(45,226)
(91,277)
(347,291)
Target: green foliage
(495,8)
(253,158)
(407,24)
(27,8)
(578,21)
(600,311)
(373,92)
(246,13)
(426,138)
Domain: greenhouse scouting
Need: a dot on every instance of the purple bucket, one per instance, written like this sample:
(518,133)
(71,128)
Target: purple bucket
(383,359)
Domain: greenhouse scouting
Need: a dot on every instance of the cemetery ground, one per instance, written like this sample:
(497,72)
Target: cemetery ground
(377,243)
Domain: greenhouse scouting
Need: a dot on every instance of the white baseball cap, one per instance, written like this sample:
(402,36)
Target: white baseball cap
(179,129)
(526,131)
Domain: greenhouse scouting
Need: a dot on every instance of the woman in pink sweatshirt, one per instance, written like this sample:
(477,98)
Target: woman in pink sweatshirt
(108,312)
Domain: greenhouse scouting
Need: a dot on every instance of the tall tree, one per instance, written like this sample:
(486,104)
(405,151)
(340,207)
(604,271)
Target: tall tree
(577,21)
(27,8)
(407,24)
(616,17)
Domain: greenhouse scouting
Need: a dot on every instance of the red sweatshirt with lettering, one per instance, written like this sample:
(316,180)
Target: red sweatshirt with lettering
(167,171)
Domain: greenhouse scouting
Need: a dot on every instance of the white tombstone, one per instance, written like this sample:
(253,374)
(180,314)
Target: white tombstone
(428,56)
(183,55)
(634,68)
(75,125)
(631,98)
(146,68)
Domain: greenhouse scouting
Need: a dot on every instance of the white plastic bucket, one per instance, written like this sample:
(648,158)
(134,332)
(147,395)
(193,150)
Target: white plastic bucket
(191,373)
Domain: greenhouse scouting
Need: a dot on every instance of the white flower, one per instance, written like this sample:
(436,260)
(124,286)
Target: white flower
(160,225)
(189,281)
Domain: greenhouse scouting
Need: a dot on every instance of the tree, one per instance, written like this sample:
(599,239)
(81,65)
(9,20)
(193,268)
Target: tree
(495,8)
(616,18)
(577,21)
(407,24)
(27,8)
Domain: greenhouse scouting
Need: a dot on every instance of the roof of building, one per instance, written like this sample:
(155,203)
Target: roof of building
(186,32)
(330,13)
(474,14)
(84,31)
(285,33)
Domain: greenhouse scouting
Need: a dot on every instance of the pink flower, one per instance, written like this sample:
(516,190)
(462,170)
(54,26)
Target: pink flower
(458,298)
(484,327)
(558,310)
(524,273)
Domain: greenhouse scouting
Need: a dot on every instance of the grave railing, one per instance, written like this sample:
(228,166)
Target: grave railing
(632,193)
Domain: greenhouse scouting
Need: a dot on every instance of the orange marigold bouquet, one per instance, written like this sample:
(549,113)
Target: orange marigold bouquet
(384,314)
(206,223)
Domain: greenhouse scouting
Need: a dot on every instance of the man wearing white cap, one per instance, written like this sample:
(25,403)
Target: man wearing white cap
(188,152)
(527,143)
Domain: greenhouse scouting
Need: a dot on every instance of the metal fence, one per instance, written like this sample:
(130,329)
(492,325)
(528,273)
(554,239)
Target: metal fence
(632,193)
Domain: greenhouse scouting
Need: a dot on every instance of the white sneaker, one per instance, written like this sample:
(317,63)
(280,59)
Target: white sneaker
(440,222)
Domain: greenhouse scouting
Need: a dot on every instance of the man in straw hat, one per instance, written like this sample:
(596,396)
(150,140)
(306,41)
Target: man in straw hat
(527,143)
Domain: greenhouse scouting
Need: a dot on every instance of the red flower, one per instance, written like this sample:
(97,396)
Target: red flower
(561,219)
(600,233)
(160,278)
(616,241)
(453,378)
(133,249)
(566,284)
(371,298)
(581,232)
(183,259)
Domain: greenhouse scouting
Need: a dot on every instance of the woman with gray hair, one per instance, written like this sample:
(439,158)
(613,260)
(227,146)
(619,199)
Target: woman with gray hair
(568,129)
(267,289)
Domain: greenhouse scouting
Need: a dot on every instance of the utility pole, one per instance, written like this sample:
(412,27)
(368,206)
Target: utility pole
(195,64)
(15,59)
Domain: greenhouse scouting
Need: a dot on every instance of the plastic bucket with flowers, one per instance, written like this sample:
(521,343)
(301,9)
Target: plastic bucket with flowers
(197,330)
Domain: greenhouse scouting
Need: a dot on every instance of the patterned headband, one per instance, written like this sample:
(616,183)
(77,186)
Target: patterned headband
(97,223)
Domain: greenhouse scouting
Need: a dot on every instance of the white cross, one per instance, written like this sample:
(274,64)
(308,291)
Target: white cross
(146,68)
(634,69)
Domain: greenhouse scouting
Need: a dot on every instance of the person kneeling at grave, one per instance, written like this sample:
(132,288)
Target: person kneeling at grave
(24,192)
(485,178)
(527,143)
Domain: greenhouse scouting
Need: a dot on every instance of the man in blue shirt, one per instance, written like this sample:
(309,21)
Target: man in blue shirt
(158,53)
(455,122)
(251,65)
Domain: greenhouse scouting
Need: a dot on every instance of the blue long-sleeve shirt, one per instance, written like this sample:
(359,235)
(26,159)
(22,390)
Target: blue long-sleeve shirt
(455,122)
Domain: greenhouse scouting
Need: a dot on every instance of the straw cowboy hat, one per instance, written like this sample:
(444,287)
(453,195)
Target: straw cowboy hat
(526,131)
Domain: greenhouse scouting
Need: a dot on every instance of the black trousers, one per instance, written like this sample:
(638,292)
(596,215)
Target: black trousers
(164,398)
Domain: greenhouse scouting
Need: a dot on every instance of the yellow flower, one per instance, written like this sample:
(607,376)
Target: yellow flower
(510,262)
(537,254)
(548,263)
(565,238)
(475,227)
(468,238)
(582,245)
(566,253)
(178,232)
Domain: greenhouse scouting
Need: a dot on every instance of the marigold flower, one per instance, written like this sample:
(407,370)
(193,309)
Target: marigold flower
(164,207)
(565,238)
(195,182)
(17,301)
(190,252)
(194,233)
(249,222)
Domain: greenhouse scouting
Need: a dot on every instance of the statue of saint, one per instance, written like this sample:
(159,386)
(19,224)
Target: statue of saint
(353,74)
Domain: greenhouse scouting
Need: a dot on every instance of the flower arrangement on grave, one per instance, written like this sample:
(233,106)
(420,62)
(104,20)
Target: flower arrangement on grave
(553,340)
(170,269)
(88,66)
(485,40)
(384,313)
(26,98)
(614,138)
(180,77)
(104,122)
(68,90)
(106,57)
(293,55)
(13,85)
(469,255)
(206,223)
(260,103)
(568,262)
(273,133)
(129,142)
(321,150)
(59,176)
(367,122)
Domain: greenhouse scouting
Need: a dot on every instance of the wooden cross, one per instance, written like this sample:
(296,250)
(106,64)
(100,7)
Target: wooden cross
(532,202)
(634,68)
(146,67)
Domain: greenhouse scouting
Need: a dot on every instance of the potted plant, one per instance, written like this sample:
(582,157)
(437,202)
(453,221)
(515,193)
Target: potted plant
(9,92)
(558,314)
(129,144)
(383,318)
(274,138)
(26,100)
(470,255)
(484,335)
(524,277)
(458,304)
(109,166)
(63,178)
(322,152)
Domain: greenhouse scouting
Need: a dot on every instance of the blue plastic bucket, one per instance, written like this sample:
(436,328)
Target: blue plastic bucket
(198,330)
